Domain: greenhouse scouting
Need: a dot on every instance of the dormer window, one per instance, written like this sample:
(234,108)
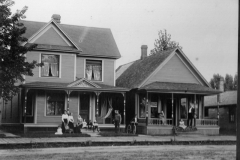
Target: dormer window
(93,70)
(50,66)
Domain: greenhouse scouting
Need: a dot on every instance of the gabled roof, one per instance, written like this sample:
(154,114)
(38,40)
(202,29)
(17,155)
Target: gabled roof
(138,71)
(179,87)
(82,82)
(97,42)
(227,98)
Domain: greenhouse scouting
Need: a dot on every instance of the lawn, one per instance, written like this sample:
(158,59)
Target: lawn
(42,134)
(113,134)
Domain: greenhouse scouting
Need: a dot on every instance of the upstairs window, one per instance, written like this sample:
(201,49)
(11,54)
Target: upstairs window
(50,66)
(93,70)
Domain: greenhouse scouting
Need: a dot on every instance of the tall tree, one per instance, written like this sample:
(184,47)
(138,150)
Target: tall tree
(228,83)
(235,82)
(163,42)
(214,82)
(13,64)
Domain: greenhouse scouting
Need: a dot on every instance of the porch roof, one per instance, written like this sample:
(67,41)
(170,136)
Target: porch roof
(69,86)
(179,87)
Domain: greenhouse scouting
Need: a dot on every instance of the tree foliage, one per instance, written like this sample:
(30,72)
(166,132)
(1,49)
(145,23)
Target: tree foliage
(214,82)
(229,82)
(163,42)
(13,64)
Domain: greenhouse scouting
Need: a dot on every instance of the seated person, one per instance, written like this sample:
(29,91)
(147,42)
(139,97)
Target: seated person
(79,124)
(84,124)
(95,126)
(134,121)
(64,120)
(182,125)
(59,131)
(89,124)
(71,121)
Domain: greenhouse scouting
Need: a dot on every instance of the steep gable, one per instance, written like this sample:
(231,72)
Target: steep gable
(51,36)
(174,71)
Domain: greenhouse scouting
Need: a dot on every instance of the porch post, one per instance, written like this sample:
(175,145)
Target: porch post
(195,115)
(25,105)
(20,105)
(172,110)
(97,94)
(146,110)
(124,108)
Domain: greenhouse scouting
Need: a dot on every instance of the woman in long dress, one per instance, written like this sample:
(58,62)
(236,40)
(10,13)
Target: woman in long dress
(71,121)
(79,123)
(64,120)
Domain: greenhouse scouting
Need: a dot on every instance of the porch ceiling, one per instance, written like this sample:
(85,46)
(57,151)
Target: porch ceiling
(179,87)
(65,86)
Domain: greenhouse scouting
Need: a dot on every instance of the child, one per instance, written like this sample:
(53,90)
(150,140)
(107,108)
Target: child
(59,130)
(84,124)
(95,126)
(182,125)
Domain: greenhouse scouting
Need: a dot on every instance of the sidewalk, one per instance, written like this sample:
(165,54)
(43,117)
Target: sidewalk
(98,139)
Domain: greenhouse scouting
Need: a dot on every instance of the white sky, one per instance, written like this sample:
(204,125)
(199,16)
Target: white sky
(206,29)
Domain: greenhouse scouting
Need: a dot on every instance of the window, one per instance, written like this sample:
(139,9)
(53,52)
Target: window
(50,66)
(142,105)
(93,70)
(154,106)
(183,108)
(55,103)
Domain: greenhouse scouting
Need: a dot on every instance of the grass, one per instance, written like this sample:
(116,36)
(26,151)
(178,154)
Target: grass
(50,134)
(113,134)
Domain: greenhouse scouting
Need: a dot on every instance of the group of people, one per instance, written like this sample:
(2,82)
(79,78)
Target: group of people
(191,113)
(68,123)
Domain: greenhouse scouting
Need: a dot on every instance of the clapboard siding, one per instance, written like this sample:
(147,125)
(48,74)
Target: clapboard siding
(66,68)
(51,37)
(174,71)
(108,72)
(80,67)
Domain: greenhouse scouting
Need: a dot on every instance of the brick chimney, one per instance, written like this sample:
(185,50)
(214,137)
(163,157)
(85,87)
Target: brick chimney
(56,18)
(144,51)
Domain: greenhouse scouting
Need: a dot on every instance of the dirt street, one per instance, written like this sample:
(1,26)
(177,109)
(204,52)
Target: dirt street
(125,152)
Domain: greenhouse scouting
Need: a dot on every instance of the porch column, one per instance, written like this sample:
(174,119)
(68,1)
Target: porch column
(68,98)
(172,110)
(35,108)
(124,108)
(20,105)
(195,115)
(146,110)
(97,94)
(25,105)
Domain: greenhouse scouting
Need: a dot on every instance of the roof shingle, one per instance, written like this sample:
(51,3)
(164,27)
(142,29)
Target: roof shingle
(227,98)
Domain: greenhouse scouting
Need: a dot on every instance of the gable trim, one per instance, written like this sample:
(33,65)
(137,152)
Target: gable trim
(194,68)
(45,30)
(189,69)
(81,80)
(158,68)
(44,27)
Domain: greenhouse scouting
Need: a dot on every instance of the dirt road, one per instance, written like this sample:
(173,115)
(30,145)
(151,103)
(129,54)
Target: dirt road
(125,152)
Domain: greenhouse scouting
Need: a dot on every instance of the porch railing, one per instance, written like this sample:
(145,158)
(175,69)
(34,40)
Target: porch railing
(206,122)
(159,122)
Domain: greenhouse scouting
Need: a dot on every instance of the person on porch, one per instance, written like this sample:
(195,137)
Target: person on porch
(162,117)
(190,115)
(117,121)
(182,125)
(64,120)
(71,121)
(95,126)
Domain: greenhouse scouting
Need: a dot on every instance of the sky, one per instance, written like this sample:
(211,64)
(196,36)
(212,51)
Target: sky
(207,30)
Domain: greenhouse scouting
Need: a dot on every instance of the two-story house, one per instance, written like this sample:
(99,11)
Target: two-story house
(78,74)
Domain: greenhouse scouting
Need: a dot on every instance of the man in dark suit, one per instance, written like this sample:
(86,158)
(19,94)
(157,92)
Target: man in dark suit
(190,115)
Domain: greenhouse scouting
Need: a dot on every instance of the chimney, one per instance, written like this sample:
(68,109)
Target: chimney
(144,51)
(56,18)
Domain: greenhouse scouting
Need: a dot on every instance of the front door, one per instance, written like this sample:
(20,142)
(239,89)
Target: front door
(84,106)
(169,110)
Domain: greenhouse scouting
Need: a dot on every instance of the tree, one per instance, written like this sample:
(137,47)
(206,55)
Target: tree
(228,83)
(235,82)
(214,82)
(163,43)
(13,64)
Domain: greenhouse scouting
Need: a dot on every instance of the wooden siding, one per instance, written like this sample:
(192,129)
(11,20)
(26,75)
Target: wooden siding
(51,37)
(66,68)
(73,105)
(173,71)
(80,67)
(10,112)
(108,71)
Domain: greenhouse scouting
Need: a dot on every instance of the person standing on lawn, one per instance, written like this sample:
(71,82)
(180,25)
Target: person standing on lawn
(117,121)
